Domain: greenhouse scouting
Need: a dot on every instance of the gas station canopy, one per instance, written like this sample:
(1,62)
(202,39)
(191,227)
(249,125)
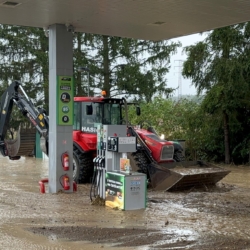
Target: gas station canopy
(141,19)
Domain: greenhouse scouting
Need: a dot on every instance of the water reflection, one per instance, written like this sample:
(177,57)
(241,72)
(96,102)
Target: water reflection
(239,176)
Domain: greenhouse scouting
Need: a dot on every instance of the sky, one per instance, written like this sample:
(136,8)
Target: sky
(173,76)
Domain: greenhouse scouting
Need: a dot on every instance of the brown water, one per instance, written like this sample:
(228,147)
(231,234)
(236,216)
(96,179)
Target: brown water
(211,218)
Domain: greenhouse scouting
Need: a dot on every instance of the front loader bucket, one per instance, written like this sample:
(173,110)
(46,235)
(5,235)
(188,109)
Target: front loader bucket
(184,175)
(23,144)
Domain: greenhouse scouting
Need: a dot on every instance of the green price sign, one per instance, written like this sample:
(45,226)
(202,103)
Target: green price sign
(65,100)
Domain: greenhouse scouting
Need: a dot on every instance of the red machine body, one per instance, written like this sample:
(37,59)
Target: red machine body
(86,140)
(161,150)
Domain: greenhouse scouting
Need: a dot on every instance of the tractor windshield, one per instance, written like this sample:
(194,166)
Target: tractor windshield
(105,113)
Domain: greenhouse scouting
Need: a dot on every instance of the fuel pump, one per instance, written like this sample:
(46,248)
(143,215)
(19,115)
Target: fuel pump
(125,190)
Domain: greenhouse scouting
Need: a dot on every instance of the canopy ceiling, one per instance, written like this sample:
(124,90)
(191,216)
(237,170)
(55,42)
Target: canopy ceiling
(143,19)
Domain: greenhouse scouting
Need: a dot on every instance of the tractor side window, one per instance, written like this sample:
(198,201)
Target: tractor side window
(77,116)
(88,121)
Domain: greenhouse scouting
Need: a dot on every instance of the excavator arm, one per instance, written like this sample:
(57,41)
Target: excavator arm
(15,94)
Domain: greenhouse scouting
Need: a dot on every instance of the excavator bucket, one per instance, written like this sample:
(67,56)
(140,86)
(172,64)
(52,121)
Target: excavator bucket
(184,175)
(23,144)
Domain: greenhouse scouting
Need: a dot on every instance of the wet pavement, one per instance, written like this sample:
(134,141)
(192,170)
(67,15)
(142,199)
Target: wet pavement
(207,218)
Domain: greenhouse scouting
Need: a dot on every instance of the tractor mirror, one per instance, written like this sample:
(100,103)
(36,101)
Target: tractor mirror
(89,109)
(138,110)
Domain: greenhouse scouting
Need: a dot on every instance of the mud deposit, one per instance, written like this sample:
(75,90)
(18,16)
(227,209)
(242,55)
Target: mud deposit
(208,218)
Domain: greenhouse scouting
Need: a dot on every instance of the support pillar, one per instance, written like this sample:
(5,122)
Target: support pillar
(60,106)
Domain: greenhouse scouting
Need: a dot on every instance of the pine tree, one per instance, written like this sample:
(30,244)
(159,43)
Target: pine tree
(24,57)
(128,67)
(121,66)
(218,66)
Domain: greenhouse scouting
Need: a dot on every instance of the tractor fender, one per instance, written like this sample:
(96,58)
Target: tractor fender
(81,147)
(84,142)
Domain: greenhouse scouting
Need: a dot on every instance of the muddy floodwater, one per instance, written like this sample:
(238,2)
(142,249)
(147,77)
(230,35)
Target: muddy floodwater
(205,218)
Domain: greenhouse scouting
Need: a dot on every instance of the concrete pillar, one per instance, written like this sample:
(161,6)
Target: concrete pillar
(60,106)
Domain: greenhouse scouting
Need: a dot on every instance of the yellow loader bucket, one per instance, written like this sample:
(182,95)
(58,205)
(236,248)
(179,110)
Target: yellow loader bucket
(23,144)
(184,175)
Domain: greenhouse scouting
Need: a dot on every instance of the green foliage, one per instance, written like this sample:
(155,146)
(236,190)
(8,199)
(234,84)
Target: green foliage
(24,57)
(188,120)
(219,67)
(176,120)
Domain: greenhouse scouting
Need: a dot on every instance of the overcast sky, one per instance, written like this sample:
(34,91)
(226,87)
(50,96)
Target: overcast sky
(173,75)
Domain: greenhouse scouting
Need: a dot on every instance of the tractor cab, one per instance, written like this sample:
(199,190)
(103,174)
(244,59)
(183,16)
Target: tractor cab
(89,111)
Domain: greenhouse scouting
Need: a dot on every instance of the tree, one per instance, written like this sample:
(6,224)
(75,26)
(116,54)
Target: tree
(118,65)
(127,66)
(216,68)
(24,57)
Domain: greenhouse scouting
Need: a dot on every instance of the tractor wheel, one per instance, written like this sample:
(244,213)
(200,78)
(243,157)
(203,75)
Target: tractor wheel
(82,166)
(178,156)
(141,162)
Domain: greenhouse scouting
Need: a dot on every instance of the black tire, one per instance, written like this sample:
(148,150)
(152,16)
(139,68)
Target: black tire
(141,162)
(82,166)
(178,156)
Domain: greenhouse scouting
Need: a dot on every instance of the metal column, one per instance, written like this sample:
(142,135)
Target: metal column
(60,132)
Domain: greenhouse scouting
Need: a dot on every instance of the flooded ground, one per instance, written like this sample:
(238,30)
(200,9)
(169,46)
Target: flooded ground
(208,218)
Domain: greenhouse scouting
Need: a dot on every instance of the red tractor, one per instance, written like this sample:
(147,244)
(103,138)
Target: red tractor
(161,160)
(91,110)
